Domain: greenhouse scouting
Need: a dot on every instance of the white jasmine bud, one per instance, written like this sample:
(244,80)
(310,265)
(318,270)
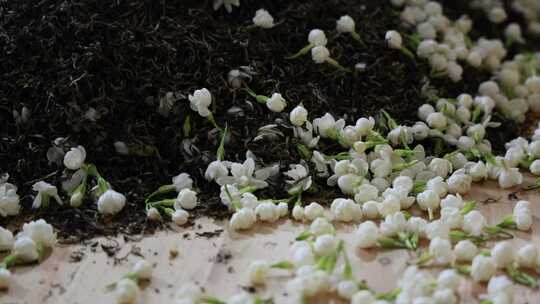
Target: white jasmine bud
(441,250)
(25,249)
(325,244)
(321,226)
(393,224)
(428,199)
(243,219)
(317,38)
(320,54)
(459,183)
(200,101)
(6,239)
(367,234)
(437,228)
(74,158)
(182,181)
(455,71)
(215,170)
(298,213)
(425,110)
(44,192)
(370,209)
(527,256)
(267,212)
(497,15)
(313,211)
(298,115)
(5,278)
(111,202)
(283,209)
(127,291)
(503,254)
(420,131)
(303,256)
(465,251)
(364,296)
(276,103)
(263,19)
(436,120)
(500,287)
(463,114)
(258,272)
(510,177)
(440,166)
(345,210)
(393,39)
(40,231)
(347,289)
(186,199)
(446,296)
(366,192)
(483,268)
(417,225)
(143,269)
(390,205)
(345,24)
(474,223)
(180,217)
(448,279)
(452,216)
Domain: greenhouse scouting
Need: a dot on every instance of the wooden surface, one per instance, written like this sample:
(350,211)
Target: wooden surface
(219,263)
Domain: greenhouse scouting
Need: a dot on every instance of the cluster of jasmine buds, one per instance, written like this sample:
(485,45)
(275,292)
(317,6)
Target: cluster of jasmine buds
(275,103)
(319,52)
(27,247)
(530,9)
(316,38)
(127,289)
(9,199)
(263,19)
(108,201)
(445,42)
(421,287)
(174,208)
(248,208)
(494,9)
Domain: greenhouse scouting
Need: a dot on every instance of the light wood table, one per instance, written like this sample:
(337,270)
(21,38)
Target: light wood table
(220,263)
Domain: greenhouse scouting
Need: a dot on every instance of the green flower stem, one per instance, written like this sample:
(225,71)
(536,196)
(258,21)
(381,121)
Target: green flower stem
(389,296)
(302,52)
(163,203)
(304,151)
(220,155)
(9,261)
(356,36)
(259,98)
(405,51)
(403,166)
(283,265)
(304,236)
(161,190)
(336,64)
(234,203)
(213,121)
(210,300)
(468,207)
(521,277)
